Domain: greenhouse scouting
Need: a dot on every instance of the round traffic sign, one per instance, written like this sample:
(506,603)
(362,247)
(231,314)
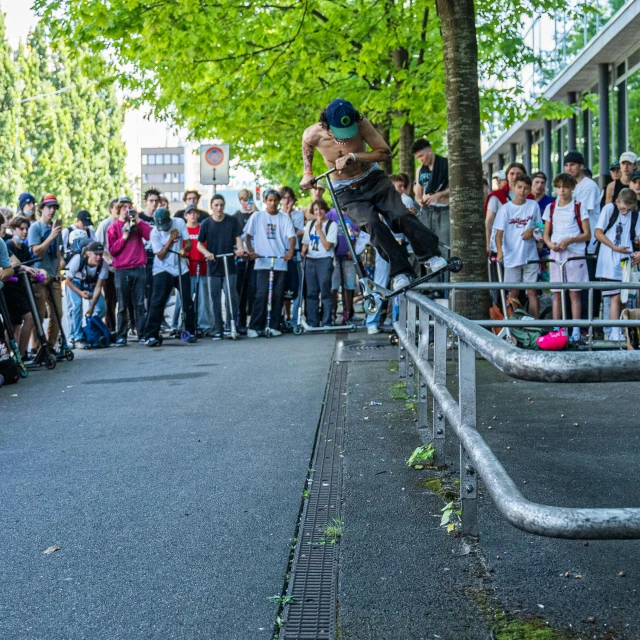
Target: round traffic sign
(214,156)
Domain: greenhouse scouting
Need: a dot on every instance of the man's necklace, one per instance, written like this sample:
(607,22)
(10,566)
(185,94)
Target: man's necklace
(342,142)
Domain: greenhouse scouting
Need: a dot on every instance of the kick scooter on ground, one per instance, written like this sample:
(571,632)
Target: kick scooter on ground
(302,326)
(64,352)
(373,293)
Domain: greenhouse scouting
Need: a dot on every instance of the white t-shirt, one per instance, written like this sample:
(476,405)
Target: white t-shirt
(270,236)
(88,272)
(565,224)
(159,238)
(608,266)
(514,220)
(494,205)
(587,194)
(312,238)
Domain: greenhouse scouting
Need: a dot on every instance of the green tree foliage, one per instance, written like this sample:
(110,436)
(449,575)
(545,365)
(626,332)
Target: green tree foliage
(256,73)
(9,122)
(60,124)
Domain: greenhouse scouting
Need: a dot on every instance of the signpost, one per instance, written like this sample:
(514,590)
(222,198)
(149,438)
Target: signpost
(214,164)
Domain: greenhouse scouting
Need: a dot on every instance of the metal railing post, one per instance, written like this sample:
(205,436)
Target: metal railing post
(590,318)
(411,333)
(423,387)
(439,378)
(467,404)
(402,352)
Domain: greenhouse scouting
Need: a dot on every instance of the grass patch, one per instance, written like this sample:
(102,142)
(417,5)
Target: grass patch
(422,455)
(334,530)
(411,406)
(435,484)
(511,628)
(399,391)
(394,366)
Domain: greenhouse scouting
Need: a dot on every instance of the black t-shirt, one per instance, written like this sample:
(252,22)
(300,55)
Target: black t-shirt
(242,218)
(202,215)
(220,237)
(19,250)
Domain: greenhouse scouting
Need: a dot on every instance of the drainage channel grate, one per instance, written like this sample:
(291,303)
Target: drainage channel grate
(313,582)
(367,350)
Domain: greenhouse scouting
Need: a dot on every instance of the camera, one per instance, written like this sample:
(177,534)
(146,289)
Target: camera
(132,217)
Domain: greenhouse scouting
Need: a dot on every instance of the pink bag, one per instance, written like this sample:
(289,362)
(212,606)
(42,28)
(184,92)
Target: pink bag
(554,341)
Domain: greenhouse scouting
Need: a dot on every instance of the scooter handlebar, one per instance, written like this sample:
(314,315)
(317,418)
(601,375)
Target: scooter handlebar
(326,174)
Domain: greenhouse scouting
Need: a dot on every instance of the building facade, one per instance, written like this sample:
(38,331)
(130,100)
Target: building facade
(163,168)
(609,67)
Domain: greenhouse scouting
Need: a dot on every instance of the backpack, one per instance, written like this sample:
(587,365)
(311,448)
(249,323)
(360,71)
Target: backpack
(495,313)
(74,248)
(96,333)
(524,336)
(614,219)
(576,212)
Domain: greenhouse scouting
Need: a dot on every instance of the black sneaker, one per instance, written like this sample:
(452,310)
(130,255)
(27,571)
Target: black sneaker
(121,342)
(152,342)
(217,336)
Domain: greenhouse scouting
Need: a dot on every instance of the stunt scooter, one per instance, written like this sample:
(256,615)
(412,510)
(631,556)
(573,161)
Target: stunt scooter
(45,355)
(303,327)
(230,310)
(373,293)
(64,350)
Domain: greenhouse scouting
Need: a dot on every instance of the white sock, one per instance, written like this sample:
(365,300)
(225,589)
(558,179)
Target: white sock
(615,334)
(575,334)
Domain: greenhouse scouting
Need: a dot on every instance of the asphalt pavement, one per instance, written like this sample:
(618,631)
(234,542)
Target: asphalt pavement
(169,478)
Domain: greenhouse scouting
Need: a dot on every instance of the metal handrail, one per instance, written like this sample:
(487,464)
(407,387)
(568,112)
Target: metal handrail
(476,457)
(479,286)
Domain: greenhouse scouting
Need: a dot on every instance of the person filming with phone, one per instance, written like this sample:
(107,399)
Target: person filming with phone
(125,239)
(45,241)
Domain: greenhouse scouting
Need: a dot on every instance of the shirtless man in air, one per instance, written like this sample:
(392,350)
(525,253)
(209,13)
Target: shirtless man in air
(364,191)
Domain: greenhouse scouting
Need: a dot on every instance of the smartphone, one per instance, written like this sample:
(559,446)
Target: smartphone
(57,223)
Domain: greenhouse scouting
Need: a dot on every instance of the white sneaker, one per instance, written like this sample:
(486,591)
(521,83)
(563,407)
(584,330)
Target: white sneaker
(252,333)
(436,263)
(401,280)
(614,336)
(372,330)
(275,333)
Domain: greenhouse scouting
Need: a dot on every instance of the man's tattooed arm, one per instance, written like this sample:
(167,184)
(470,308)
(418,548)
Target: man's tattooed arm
(308,152)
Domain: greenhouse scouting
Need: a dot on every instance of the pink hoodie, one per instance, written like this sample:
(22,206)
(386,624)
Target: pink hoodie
(131,253)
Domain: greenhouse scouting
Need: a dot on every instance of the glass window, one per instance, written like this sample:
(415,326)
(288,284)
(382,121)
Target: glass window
(144,158)
(181,158)
(167,178)
(175,196)
(145,178)
(175,158)
(175,178)
(167,158)
(152,159)
(182,178)
(159,158)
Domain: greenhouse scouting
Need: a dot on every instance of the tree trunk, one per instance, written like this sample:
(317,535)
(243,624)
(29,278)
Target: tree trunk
(407,129)
(385,131)
(407,161)
(460,49)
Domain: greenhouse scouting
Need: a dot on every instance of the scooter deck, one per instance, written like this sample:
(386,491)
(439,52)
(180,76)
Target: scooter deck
(454,265)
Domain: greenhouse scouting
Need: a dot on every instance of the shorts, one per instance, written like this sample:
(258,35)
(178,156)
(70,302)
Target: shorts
(524,273)
(348,272)
(612,292)
(574,271)
(17,302)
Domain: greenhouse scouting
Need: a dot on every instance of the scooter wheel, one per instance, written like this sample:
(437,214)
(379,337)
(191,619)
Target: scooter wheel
(23,371)
(69,355)
(352,327)
(297,330)
(185,336)
(455,265)
(267,332)
(393,339)
(370,305)
(50,361)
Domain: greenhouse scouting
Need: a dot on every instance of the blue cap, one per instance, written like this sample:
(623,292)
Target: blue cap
(341,117)
(162,219)
(25,198)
